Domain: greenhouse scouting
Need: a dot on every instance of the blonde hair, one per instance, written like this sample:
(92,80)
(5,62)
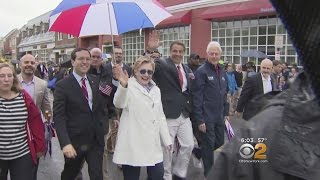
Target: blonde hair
(142,60)
(16,85)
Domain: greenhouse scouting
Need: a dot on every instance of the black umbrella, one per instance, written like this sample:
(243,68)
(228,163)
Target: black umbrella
(254,53)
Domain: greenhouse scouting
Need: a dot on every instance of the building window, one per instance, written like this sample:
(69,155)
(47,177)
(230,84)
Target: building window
(70,36)
(168,35)
(252,34)
(133,46)
(41,55)
(60,36)
(35,30)
(43,28)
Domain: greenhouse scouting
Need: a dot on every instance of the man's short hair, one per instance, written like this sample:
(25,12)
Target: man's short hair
(73,54)
(276,62)
(194,56)
(116,47)
(177,43)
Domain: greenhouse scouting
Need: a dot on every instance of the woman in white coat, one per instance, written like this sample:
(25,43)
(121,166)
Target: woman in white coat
(143,128)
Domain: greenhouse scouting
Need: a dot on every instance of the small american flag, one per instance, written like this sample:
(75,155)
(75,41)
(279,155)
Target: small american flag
(105,89)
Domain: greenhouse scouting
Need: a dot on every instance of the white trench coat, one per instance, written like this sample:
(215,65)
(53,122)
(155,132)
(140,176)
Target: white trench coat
(142,126)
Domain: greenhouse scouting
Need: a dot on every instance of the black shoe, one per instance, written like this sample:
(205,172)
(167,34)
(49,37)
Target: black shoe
(197,153)
(175,177)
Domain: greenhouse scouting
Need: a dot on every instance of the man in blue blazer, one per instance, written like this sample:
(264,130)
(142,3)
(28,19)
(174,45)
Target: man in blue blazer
(209,104)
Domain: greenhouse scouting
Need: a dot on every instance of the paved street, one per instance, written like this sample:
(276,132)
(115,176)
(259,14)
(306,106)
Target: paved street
(50,167)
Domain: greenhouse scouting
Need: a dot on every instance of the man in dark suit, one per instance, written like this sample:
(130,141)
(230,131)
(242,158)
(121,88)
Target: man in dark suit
(108,86)
(79,116)
(174,81)
(254,86)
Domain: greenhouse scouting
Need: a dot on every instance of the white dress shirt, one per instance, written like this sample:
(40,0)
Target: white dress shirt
(185,82)
(267,85)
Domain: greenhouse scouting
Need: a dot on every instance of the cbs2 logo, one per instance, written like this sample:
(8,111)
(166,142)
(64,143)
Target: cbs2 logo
(247,151)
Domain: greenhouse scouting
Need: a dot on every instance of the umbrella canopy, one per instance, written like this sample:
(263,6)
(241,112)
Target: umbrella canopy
(253,53)
(105,17)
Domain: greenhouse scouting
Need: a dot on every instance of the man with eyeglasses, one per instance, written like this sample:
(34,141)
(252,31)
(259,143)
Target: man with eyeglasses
(109,87)
(79,116)
(174,80)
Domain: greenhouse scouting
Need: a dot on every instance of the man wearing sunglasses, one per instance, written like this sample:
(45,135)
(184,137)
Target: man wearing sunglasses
(174,81)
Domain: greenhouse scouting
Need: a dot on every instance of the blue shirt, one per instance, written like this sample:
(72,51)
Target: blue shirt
(29,87)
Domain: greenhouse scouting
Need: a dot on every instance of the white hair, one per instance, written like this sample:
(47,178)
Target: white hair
(214,44)
(96,50)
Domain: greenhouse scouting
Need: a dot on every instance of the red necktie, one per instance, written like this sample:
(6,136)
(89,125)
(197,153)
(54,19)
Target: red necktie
(84,88)
(217,71)
(180,76)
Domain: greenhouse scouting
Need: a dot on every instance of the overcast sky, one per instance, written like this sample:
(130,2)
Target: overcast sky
(16,13)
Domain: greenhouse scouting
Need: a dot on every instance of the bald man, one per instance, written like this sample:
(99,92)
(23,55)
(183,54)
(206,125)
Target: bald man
(258,84)
(36,88)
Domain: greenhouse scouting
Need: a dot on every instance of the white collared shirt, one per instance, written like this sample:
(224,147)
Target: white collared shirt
(267,85)
(185,82)
(78,78)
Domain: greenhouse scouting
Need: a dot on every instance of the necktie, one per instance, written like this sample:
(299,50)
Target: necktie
(84,88)
(217,71)
(180,76)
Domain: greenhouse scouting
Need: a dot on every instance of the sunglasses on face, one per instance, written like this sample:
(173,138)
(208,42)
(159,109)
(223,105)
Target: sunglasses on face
(144,71)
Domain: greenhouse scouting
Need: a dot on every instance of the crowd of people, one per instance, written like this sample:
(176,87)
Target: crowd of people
(148,114)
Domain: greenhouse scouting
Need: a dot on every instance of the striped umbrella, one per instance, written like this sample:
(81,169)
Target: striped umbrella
(105,17)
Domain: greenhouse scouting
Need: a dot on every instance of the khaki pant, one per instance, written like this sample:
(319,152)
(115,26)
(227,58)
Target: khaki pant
(110,142)
(177,163)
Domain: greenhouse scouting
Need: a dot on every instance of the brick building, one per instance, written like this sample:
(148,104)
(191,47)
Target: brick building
(36,40)
(9,45)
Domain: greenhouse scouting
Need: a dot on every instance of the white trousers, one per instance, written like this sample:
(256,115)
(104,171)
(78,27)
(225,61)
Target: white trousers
(178,162)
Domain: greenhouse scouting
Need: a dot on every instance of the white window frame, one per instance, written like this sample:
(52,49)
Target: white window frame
(60,36)
(70,36)
(168,35)
(132,46)
(219,31)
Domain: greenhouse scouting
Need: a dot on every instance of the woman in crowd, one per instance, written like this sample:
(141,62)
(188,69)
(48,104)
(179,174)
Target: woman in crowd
(22,137)
(142,124)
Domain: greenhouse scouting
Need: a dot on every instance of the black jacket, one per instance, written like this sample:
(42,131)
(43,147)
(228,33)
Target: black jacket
(291,132)
(173,99)
(252,87)
(75,122)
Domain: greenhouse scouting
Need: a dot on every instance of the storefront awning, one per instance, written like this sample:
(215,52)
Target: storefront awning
(236,10)
(183,17)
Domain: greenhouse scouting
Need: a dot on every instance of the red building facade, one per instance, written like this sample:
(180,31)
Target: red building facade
(237,24)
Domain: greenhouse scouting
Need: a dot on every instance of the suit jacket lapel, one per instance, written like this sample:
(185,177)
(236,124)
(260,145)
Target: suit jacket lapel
(174,72)
(186,70)
(261,91)
(37,89)
(94,88)
(77,89)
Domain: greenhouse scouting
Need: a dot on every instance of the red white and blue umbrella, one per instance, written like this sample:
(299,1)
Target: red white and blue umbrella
(105,17)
